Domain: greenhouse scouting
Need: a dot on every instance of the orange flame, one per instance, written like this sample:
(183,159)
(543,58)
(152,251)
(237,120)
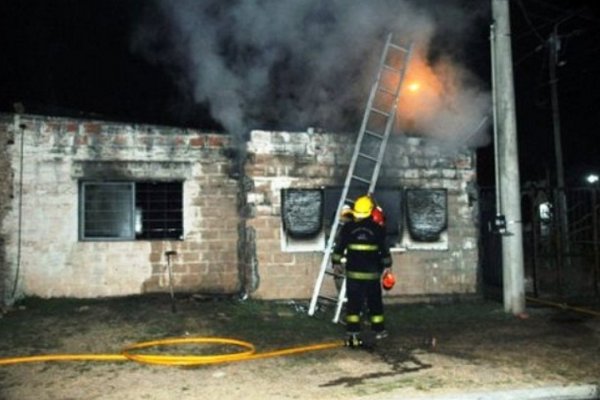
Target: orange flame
(422,94)
(414,87)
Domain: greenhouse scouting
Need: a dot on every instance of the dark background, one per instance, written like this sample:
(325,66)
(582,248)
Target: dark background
(61,58)
(578,82)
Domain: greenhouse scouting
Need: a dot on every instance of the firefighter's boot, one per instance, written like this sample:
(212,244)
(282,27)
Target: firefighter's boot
(353,340)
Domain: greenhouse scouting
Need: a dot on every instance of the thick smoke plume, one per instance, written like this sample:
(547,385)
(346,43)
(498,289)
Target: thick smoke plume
(274,64)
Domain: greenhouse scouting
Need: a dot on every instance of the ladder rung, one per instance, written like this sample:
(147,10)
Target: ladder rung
(358,178)
(368,157)
(389,67)
(374,134)
(400,48)
(334,274)
(328,298)
(375,110)
(384,90)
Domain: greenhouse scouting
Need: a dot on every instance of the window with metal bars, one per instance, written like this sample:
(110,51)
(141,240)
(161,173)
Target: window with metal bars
(131,210)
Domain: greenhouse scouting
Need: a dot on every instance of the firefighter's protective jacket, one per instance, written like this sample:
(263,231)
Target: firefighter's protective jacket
(363,244)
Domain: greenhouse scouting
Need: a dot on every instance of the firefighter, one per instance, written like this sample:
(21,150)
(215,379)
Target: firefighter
(361,242)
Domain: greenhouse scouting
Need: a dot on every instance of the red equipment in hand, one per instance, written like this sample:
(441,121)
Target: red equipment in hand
(388,280)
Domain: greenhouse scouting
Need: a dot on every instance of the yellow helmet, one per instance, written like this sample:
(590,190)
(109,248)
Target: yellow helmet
(363,207)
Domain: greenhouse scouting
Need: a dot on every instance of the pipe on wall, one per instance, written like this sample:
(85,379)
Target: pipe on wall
(20,209)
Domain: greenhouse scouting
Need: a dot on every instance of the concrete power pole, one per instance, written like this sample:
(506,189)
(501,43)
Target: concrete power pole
(507,178)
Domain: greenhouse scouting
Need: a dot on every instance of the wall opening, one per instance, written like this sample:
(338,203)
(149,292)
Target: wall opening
(302,219)
(427,213)
(130,210)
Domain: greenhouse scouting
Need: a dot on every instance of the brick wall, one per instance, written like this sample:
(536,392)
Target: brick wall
(416,163)
(279,160)
(60,152)
(233,238)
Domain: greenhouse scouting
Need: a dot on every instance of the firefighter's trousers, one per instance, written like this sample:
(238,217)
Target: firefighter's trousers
(357,291)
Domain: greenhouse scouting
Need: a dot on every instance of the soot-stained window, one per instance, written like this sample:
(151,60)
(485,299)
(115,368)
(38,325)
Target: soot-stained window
(302,212)
(427,213)
(130,210)
(412,216)
(161,207)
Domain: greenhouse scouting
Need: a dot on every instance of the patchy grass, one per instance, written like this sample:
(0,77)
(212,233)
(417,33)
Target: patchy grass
(431,347)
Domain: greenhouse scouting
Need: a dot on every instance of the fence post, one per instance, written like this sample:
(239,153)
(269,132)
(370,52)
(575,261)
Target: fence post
(595,209)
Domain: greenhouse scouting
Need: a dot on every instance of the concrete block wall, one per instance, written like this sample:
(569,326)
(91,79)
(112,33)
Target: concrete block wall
(453,270)
(276,161)
(233,237)
(59,152)
(279,160)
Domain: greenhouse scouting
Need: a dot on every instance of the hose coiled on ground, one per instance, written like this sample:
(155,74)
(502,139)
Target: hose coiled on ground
(129,353)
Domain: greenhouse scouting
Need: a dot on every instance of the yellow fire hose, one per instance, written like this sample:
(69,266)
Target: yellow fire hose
(247,352)
(563,306)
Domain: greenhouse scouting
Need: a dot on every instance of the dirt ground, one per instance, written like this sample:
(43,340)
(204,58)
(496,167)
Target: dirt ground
(432,349)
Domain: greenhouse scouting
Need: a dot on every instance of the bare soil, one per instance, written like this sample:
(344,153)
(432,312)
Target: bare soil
(432,349)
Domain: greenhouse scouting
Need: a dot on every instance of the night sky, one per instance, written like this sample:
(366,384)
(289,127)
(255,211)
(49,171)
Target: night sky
(578,83)
(76,58)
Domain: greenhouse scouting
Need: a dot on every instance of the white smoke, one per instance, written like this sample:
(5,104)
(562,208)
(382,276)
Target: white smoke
(290,64)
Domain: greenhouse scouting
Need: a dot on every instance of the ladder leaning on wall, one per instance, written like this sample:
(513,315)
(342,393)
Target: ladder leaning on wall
(367,157)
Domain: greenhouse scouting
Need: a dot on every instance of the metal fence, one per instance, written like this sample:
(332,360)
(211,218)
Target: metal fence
(561,241)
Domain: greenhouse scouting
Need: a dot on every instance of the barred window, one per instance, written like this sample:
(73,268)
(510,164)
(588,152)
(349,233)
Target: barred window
(130,210)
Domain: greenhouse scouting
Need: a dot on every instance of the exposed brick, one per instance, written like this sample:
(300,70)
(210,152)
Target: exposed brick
(197,141)
(72,127)
(92,127)
(216,141)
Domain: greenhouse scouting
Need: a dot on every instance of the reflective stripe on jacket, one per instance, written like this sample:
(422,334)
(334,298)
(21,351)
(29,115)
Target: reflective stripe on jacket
(362,243)
(363,276)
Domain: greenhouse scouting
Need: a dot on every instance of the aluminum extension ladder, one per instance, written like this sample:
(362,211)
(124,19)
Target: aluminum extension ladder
(367,157)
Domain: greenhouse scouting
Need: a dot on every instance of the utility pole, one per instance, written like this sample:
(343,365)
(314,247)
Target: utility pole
(553,44)
(507,178)
(564,246)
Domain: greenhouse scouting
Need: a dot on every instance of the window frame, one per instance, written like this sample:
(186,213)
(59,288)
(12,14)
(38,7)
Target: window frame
(133,211)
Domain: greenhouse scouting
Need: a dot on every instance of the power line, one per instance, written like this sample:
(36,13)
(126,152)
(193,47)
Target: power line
(526,56)
(533,29)
(550,6)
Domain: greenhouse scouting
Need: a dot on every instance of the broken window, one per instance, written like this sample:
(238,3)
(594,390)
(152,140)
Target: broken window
(427,213)
(131,210)
(413,217)
(302,212)
(302,220)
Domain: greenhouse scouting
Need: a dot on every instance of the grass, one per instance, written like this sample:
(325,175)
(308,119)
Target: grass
(477,344)
(44,323)
(268,324)
(477,332)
